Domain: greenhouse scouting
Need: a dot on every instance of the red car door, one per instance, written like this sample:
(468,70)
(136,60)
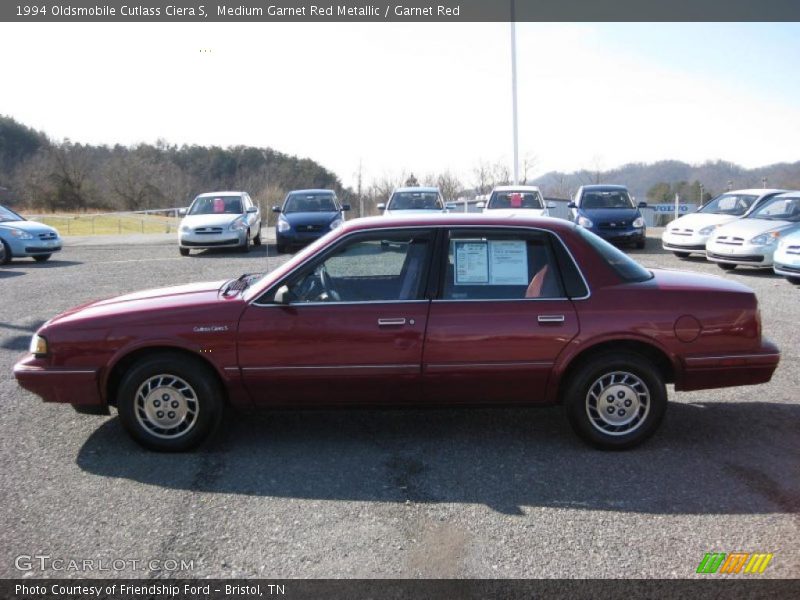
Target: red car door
(501,319)
(352,330)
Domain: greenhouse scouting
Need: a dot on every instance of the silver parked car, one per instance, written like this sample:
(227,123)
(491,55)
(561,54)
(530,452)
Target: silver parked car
(219,220)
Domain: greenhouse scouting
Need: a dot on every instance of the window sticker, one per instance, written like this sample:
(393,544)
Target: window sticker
(493,262)
(508,262)
(472,262)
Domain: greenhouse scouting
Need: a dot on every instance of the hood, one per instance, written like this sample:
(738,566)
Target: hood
(156,299)
(510,212)
(195,221)
(696,221)
(29,226)
(311,218)
(749,228)
(611,214)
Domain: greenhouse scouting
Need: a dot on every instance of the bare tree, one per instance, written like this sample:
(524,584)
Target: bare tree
(449,185)
(528,164)
(483,177)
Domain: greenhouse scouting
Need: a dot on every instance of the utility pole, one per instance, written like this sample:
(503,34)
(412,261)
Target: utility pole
(764,182)
(360,197)
(514,91)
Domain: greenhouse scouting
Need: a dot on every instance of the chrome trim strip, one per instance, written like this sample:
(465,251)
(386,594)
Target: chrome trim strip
(418,227)
(499,299)
(541,363)
(301,304)
(702,359)
(330,367)
(46,371)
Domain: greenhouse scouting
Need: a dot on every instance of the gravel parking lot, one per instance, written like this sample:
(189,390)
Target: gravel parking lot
(443,493)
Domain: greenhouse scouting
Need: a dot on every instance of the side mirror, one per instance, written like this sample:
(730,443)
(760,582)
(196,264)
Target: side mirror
(181,212)
(282,295)
(572,205)
(252,209)
(480,205)
(550,205)
(381,206)
(450,206)
(345,207)
(276,209)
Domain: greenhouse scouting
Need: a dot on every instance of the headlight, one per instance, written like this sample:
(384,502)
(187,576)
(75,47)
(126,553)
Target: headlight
(584,222)
(638,222)
(238,224)
(765,239)
(21,235)
(707,230)
(283,224)
(185,229)
(336,223)
(38,346)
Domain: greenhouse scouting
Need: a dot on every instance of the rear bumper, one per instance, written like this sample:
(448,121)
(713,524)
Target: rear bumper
(703,372)
(78,387)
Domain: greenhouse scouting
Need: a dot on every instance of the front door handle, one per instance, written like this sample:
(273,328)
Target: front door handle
(391,322)
(551,318)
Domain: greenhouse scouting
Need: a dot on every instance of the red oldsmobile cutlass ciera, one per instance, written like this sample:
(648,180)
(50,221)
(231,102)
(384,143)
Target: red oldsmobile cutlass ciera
(416,311)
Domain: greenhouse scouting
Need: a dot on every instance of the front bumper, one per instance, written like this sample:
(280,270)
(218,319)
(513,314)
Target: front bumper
(79,387)
(684,243)
(34,247)
(746,254)
(212,240)
(703,372)
(622,236)
(292,237)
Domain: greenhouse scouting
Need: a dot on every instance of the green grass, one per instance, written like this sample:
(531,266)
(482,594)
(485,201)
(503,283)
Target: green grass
(78,224)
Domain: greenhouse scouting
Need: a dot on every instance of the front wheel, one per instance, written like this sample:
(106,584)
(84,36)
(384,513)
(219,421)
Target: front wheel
(794,280)
(42,257)
(257,239)
(184,251)
(641,244)
(246,246)
(169,402)
(615,401)
(6,257)
(682,254)
(726,266)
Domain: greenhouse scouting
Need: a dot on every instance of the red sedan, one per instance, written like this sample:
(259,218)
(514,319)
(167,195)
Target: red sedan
(424,311)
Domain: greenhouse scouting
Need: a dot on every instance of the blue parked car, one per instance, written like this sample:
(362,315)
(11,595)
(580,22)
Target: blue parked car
(307,215)
(609,211)
(21,238)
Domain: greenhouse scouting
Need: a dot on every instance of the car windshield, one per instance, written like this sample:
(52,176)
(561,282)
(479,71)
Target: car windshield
(8,215)
(627,268)
(779,208)
(216,205)
(415,201)
(513,199)
(606,199)
(729,204)
(296,203)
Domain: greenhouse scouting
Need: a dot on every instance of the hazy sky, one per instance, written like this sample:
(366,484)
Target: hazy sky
(416,97)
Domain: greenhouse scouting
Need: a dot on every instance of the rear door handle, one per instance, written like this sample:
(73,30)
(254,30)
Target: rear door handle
(551,318)
(391,322)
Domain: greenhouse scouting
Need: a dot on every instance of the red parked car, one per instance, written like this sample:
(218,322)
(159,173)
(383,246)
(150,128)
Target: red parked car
(418,311)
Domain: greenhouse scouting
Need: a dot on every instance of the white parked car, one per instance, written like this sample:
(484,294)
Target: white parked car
(507,200)
(410,200)
(752,240)
(219,220)
(689,234)
(786,260)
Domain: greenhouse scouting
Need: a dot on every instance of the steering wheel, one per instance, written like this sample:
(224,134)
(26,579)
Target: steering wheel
(328,292)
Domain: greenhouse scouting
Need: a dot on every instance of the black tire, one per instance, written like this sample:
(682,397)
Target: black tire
(42,257)
(630,380)
(184,251)
(186,383)
(245,248)
(682,254)
(6,255)
(640,245)
(794,280)
(257,239)
(281,248)
(726,266)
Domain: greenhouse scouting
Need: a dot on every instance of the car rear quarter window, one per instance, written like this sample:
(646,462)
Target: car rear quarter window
(622,264)
(501,265)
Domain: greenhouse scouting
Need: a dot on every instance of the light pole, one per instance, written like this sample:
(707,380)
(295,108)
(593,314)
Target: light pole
(514,92)
(701,194)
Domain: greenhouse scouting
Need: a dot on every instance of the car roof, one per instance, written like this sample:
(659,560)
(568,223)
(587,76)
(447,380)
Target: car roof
(458,220)
(231,193)
(312,191)
(791,194)
(604,186)
(515,188)
(416,188)
(754,191)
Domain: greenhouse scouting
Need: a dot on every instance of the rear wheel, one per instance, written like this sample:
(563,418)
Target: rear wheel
(726,266)
(615,401)
(682,254)
(6,257)
(184,251)
(169,403)
(42,257)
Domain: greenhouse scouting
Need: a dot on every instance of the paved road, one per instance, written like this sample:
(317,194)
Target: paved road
(458,493)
